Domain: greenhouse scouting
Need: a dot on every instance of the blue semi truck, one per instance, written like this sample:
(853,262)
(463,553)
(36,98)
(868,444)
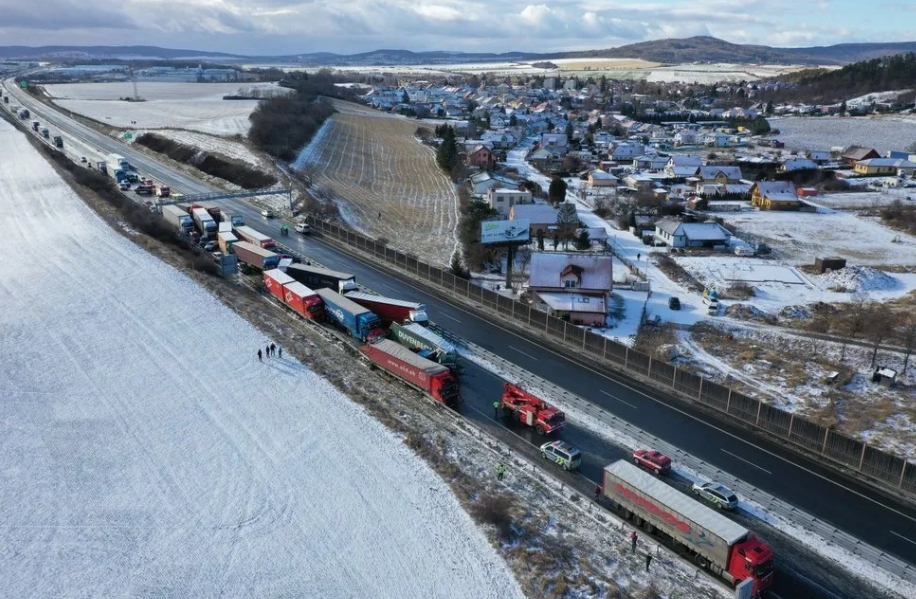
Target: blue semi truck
(359,322)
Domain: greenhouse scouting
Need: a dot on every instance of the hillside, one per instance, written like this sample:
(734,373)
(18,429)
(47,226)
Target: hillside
(710,49)
(890,73)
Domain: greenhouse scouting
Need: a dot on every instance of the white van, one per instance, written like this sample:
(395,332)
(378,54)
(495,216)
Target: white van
(743,250)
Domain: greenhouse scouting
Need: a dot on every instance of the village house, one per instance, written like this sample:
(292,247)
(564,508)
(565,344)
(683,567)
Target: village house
(854,154)
(685,137)
(681,167)
(885,166)
(716,139)
(502,199)
(574,287)
(482,157)
(819,156)
(484,181)
(557,143)
(721,175)
(626,151)
(797,164)
(775,195)
(650,163)
(601,179)
(678,234)
(541,217)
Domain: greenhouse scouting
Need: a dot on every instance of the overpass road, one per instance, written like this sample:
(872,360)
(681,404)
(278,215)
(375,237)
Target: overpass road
(880,521)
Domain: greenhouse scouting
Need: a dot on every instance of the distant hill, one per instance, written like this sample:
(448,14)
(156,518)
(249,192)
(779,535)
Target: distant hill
(105,52)
(669,51)
(710,49)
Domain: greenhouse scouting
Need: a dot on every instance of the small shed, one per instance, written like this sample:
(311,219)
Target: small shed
(884,376)
(807,192)
(822,265)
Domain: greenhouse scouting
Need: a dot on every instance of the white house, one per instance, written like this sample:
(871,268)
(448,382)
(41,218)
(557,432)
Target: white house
(679,234)
(682,166)
(685,137)
(503,199)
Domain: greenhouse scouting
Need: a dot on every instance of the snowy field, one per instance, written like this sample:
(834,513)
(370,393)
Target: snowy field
(146,452)
(800,238)
(823,133)
(193,106)
(210,143)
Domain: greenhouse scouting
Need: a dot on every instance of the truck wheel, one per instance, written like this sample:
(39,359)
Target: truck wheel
(702,562)
(540,429)
(635,461)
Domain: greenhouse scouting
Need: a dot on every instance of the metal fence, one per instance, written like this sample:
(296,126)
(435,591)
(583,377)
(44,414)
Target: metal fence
(891,471)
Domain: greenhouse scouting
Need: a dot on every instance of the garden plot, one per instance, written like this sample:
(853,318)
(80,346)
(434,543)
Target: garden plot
(193,106)
(823,133)
(802,237)
(384,182)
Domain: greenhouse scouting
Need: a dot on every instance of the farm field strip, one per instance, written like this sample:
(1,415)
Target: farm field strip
(372,165)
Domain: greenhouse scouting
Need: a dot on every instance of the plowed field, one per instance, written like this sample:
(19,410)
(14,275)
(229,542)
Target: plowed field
(384,181)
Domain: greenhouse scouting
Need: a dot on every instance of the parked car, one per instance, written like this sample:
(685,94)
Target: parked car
(674,303)
(743,250)
(653,460)
(564,454)
(267,213)
(83,159)
(718,494)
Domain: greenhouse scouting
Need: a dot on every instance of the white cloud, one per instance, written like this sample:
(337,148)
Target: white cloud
(436,11)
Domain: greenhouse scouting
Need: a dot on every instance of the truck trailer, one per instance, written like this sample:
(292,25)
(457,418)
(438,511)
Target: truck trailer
(359,322)
(433,379)
(205,223)
(716,543)
(391,310)
(296,296)
(316,277)
(225,241)
(254,256)
(429,344)
(256,237)
(178,218)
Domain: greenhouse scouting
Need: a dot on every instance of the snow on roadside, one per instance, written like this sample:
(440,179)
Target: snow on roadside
(209,143)
(145,447)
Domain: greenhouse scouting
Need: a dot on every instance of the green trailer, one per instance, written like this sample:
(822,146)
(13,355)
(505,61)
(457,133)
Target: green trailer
(427,343)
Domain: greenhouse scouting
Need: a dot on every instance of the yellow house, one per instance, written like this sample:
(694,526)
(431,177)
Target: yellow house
(775,195)
(885,166)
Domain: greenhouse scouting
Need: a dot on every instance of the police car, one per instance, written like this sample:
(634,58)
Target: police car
(718,494)
(564,454)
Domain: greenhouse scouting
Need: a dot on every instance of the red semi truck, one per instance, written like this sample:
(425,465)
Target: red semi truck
(530,410)
(433,379)
(391,310)
(716,543)
(299,298)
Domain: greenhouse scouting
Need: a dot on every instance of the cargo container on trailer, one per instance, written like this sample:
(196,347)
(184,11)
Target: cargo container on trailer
(250,235)
(433,379)
(359,322)
(715,543)
(391,310)
(317,277)
(254,256)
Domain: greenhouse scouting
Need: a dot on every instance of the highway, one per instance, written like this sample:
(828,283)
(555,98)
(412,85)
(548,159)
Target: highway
(847,505)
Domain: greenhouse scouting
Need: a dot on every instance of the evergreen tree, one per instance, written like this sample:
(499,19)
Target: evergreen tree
(556,193)
(447,154)
(569,131)
(583,243)
(567,223)
(513,121)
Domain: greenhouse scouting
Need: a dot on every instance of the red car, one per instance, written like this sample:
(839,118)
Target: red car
(652,460)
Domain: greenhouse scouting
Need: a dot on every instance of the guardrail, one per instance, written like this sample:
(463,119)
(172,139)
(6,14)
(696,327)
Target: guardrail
(772,505)
(849,456)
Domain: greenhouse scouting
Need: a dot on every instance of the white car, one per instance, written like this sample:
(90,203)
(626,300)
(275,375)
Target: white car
(267,213)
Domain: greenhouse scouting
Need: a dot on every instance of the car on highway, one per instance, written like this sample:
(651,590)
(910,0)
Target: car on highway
(303,228)
(562,453)
(83,159)
(211,245)
(716,493)
(267,213)
(124,185)
(652,460)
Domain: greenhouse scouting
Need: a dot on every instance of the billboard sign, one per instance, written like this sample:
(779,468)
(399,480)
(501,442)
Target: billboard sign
(505,231)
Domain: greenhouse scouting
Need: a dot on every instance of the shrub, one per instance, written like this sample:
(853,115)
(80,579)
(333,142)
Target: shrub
(495,509)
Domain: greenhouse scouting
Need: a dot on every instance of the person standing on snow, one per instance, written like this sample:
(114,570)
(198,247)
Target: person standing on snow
(259,356)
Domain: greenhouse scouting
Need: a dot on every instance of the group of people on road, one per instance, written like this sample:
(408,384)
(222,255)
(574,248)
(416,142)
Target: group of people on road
(270,350)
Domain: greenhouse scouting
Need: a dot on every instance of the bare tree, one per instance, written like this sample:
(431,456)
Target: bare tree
(877,327)
(906,334)
(854,319)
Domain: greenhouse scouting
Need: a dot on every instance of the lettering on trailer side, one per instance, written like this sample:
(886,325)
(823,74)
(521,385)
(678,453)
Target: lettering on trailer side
(289,296)
(413,341)
(338,313)
(697,537)
(405,368)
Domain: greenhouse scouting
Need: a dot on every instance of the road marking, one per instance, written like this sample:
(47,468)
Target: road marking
(451,317)
(523,353)
(746,461)
(618,399)
(902,537)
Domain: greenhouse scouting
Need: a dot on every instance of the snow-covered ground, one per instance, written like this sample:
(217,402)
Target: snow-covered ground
(194,106)
(823,133)
(209,143)
(146,451)
(802,237)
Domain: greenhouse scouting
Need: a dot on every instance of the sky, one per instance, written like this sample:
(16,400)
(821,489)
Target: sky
(271,27)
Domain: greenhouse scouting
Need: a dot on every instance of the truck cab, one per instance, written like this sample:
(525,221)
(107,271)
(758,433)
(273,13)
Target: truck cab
(752,559)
